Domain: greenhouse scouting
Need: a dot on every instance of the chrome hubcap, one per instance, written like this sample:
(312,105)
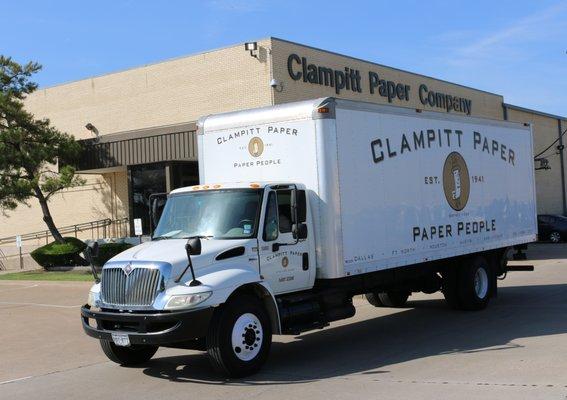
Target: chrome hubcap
(481,283)
(247,335)
(555,237)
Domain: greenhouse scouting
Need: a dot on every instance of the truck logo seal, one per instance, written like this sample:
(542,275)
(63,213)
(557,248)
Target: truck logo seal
(127,269)
(285,262)
(256,147)
(456,182)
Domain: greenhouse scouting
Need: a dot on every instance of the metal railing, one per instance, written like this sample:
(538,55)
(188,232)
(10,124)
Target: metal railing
(107,227)
(3,260)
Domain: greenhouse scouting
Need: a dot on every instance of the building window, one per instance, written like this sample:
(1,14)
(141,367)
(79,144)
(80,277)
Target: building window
(144,181)
(148,179)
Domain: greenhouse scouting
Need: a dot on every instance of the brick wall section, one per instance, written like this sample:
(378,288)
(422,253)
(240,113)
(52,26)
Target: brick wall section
(166,93)
(72,206)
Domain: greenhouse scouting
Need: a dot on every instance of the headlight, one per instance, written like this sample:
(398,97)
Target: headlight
(187,300)
(92,300)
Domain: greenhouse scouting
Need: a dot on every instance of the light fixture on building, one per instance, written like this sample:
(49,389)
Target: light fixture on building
(543,163)
(252,47)
(94,130)
(276,85)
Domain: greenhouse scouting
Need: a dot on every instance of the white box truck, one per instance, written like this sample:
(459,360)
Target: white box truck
(304,205)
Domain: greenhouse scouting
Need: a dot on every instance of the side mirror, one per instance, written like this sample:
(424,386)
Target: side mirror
(293,204)
(157,203)
(193,247)
(299,231)
(93,250)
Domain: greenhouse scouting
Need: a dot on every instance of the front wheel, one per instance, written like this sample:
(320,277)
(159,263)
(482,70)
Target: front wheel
(126,356)
(239,337)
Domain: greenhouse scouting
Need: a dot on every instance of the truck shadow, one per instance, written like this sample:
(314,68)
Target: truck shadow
(430,328)
(546,251)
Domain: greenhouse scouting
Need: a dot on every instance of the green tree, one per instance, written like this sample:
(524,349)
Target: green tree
(31,150)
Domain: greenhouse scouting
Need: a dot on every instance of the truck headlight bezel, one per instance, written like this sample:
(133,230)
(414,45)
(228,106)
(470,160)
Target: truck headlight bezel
(180,301)
(93,299)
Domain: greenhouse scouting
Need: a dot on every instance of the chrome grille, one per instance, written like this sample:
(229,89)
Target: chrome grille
(139,288)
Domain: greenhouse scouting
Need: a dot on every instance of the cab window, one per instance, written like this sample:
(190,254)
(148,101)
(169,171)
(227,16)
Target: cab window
(271,221)
(284,210)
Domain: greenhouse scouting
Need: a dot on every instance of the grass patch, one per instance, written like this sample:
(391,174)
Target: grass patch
(48,276)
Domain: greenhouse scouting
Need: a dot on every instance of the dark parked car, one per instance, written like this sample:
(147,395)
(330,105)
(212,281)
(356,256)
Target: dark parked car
(552,227)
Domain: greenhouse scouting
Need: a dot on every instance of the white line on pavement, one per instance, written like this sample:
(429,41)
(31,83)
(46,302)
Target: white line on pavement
(13,303)
(18,288)
(16,380)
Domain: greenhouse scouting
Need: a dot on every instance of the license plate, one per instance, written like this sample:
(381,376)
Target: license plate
(121,339)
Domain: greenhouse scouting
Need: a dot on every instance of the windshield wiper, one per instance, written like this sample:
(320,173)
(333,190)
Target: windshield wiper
(161,237)
(164,237)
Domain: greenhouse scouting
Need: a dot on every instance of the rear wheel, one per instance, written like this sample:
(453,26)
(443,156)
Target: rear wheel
(374,299)
(449,287)
(468,288)
(126,356)
(239,337)
(394,298)
(391,298)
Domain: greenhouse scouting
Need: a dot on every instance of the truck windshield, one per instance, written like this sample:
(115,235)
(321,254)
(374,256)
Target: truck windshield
(222,214)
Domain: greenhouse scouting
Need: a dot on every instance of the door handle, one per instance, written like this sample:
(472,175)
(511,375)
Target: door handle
(305,261)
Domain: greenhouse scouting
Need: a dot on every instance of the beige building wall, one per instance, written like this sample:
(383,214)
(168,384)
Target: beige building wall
(182,90)
(167,93)
(103,196)
(484,104)
(548,181)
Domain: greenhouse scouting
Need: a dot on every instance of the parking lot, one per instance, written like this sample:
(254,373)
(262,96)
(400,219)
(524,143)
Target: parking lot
(514,349)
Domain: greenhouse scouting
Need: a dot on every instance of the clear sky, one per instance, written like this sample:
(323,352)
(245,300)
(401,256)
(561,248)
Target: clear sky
(514,48)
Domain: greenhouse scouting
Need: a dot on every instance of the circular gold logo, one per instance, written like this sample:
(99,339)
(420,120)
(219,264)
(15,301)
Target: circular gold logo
(256,147)
(285,262)
(456,181)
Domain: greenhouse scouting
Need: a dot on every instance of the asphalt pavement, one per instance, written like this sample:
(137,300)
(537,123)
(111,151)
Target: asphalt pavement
(515,349)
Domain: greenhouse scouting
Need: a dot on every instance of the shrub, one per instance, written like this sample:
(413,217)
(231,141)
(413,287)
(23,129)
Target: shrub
(56,254)
(108,250)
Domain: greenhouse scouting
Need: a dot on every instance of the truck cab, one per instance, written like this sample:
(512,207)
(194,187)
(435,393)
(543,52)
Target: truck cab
(262,228)
(214,244)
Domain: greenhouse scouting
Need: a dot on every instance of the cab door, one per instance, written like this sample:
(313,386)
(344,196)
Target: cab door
(284,260)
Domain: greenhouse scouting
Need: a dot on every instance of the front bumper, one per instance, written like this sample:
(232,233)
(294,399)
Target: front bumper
(156,328)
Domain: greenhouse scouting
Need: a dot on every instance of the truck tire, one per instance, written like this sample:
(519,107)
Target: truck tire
(239,337)
(474,284)
(449,287)
(126,356)
(469,287)
(394,298)
(374,299)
